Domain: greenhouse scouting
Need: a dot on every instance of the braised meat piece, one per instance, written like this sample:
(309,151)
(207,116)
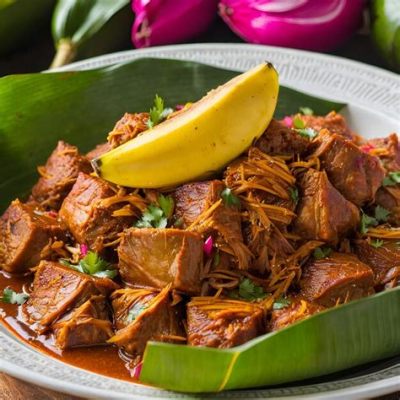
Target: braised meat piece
(86,325)
(58,289)
(333,122)
(279,139)
(356,174)
(297,310)
(59,174)
(223,323)
(323,213)
(384,260)
(25,233)
(336,279)
(89,214)
(388,197)
(98,151)
(127,128)
(157,257)
(143,315)
(193,203)
(387,149)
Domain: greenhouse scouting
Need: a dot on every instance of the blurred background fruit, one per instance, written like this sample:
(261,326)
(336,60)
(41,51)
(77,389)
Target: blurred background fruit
(385,30)
(365,30)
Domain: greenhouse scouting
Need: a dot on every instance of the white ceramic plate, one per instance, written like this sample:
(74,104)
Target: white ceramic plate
(373,96)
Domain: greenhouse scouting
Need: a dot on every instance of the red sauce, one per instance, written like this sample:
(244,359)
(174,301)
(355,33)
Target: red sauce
(103,360)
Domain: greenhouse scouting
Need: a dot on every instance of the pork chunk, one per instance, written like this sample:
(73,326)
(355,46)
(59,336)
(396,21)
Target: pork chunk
(323,213)
(297,310)
(279,139)
(336,279)
(157,257)
(127,128)
(356,174)
(387,149)
(143,315)
(222,323)
(25,231)
(58,289)
(333,122)
(384,260)
(59,174)
(86,325)
(89,218)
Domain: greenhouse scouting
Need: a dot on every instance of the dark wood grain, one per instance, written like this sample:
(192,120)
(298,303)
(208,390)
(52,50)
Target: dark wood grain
(15,389)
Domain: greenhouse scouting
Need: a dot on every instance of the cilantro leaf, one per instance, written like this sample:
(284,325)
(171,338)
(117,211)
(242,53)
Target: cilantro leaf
(294,194)
(298,123)
(167,205)
(12,297)
(158,113)
(381,214)
(280,302)
(322,252)
(366,222)
(392,178)
(157,217)
(92,264)
(309,133)
(376,243)
(229,198)
(306,111)
(135,311)
(248,290)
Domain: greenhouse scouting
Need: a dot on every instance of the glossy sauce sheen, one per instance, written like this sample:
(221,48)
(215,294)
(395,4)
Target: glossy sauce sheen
(99,359)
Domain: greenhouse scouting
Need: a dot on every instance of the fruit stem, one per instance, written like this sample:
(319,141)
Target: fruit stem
(66,52)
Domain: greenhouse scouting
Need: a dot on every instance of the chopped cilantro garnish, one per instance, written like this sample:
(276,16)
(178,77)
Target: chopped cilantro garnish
(381,214)
(93,264)
(280,302)
(157,217)
(322,252)
(12,297)
(248,290)
(309,133)
(306,111)
(366,222)
(294,194)
(298,123)
(376,243)
(158,113)
(229,198)
(135,311)
(393,178)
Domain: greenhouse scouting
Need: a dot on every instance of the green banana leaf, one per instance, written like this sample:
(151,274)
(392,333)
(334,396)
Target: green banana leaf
(336,339)
(19,19)
(36,110)
(88,28)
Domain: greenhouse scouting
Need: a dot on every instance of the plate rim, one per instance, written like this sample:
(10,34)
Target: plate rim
(199,52)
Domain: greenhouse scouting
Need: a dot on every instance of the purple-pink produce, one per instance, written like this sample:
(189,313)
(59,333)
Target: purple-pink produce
(159,22)
(304,24)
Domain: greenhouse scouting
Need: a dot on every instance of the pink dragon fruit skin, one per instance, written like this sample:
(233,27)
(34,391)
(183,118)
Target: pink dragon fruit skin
(306,24)
(159,22)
